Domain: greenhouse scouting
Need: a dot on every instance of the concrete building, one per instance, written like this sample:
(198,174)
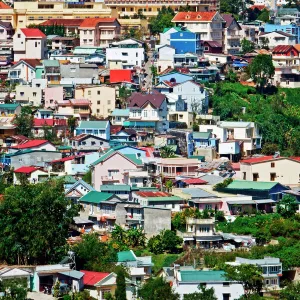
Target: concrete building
(29,95)
(79,74)
(33,174)
(88,143)
(78,108)
(285,55)
(29,43)
(290,29)
(276,38)
(97,128)
(53,95)
(24,71)
(102,98)
(165,58)
(232,35)
(119,116)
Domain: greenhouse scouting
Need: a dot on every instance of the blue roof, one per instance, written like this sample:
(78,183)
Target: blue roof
(120,112)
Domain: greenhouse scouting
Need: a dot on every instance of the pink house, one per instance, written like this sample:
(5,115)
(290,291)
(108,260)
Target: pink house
(111,167)
(53,95)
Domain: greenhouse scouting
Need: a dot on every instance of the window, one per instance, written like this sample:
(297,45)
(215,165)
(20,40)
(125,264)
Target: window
(89,93)
(226,296)
(145,113)
(98,92)
(208,206)
(272,165)
(85,31)
(272,176)
(19,36)
(136,54)
(34,94)
(22,94)
(98,111)
(255,176)
(112,172)
(134,113)
(244,175)
(206,48)
(108,102)
(274,269)
(93,143)
(124,53)
(226,284)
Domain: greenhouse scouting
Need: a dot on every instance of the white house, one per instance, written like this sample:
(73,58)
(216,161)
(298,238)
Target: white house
(23,71)
(29,43)
(208,24)
(276,38)
(130,52)
(119,116)
(43,145)
(97,128)
(165,57)
(164,37)
(33,174)
(232,34)
(26,94)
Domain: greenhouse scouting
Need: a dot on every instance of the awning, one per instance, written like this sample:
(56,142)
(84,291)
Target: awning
(138,124)
(209,238)
(241,202)
(188,239)
(266,201)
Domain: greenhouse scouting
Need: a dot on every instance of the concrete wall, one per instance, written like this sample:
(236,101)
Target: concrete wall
(132,56)
(29,95)
(52,95)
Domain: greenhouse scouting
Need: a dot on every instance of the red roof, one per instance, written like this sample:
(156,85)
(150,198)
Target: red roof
(43,122)
(60,122)
(33,33)
(255,160)
(27,170)
(282,49)
(91,278)
(115,128)
(192,16)
(194,181)
(4,6)
(30,144)
(63,22)
(92,22)
(149,151)
(80,101)
(120,76)
(153,194)
(297,158)
(65,159)
(260,7)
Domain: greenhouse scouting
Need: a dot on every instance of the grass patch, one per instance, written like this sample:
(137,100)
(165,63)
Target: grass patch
(163,260)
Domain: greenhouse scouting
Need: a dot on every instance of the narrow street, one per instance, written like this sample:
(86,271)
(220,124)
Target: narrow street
(148,79)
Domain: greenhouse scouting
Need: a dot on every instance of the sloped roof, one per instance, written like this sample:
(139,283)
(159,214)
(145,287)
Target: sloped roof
(120,112)
(213,44)
(4,6)
(191,16)
(125,256)
(115,187)
(73,273)
(228,18)
(63,22)
(153,194)
(139,100)
(33,33)
(254,160)
(279,32)
(194,181)
(27,170)
(255,185)
(91,278)
(92,22)
(92,124)
(96,197)
(30,144)
(202,276)
(33,63)
(281,49)
(43,122)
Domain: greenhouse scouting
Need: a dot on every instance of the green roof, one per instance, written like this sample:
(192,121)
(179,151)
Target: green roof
(103,157)
(95,197)
(64,148)
(124,256)
(115,187)
(169,198)
(67,179)
(199,157)
(202,276)
(120,112)
(92,124)
(9,106)
(201,135)
(254,185)
(50,63)
(134,159)
(168,28)
(146,188)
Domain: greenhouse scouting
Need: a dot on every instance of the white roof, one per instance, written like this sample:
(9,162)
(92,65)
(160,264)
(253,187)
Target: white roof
(137,271)
(228,124)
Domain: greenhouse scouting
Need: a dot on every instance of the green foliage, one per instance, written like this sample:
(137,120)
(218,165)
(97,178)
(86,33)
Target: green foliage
(157,289)
(203,294)
(120,293)
(247,46)
(223,184)
(163,260)
(56,289)
(231,76)
(34,223)
(14,289)
(290,292)
(195,127)
(269,149)
(124,92)
(167,240)
(48,133)
(50,30)
(24,121)
(162,20)
(231,6)
(250,276)
(169,185)
(72,121)
(167,152)
(287,207)
(264,16)
(87,177)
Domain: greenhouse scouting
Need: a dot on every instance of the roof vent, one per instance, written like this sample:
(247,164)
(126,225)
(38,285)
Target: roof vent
(198,17)
(187,17)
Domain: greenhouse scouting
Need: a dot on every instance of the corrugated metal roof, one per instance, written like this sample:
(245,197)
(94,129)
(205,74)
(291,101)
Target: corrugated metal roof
(202,276)
(95,197)
(115,187)
(254,185)
(125,256)
(92,124)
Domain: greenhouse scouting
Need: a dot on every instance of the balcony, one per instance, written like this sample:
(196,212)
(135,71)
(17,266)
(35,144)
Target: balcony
(109,178)
(167,174)
(193,221)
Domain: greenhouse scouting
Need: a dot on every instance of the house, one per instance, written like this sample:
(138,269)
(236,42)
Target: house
(99,31)
(44,114)
(290,28)
(212,47)
(65,44)
(77,190)
(209,25)
(9,109)
(136,178)
(23,71)
(190,182)
(11,273)
(88,143)
(97,128)
(202,139)
(56,126)
(121,76)
(271,269)
(33,174)
(78,108)
(122,190)
(110,167)
(185,41)
(259,190)
(6,32)
(51,71)
(79,74)
(102,98)
(53,95)
(164,37)
(147,111)
(158,200)
(285,55)
(287,76)
(276,38)
(118,116)
(72,278)
(174,77)
(187,280)
(29,157)
(165,57)
(271,168)
(235,137)
(29,43)
(29,95)
(129,51)
(232,35)
(33,145)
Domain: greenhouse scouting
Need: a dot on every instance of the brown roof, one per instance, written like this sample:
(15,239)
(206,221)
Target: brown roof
(281,49)
(5,24)
(31,62)
(139,100)
(92,22)
(213,44)
(229,18)
(193,16)
(297,46)
(64,22)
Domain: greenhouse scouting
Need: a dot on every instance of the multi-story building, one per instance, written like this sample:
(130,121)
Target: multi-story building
(232,35)
(209,25)
(291,29)
(99,31)
(24,71)
(276,38)
(97,128)
(285,55)
(78,108)
(101,97)
(26,94)
(29,43)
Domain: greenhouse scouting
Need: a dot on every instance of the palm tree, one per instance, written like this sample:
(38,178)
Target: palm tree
(167,152)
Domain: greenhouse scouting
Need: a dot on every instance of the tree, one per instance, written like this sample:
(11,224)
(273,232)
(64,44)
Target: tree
(269,149)
(87,177)
(24,121)
(169,185)
(250,276)
(157,289)
(167,152)
(34,223)
(287,207)
(247,46)
(291,291)
(162,20)
(231,76)
(92,254)
(166,240)
(120,293)
(265,43)
(195,127)
(264,16)
(14,289)
(72,121)
(261,69)
(48,133)
(204,294)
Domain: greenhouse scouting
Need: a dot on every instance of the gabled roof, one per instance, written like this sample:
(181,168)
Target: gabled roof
(96,197)
(28,170)
(191,16)
(32,63)
(84,136)
(33,33)
(80,182)
(4,6)
(91,278)
(93,22)
(63,22)
(261,159)
(140,100)
(282,49)
(30,144)
(6,25)
(278,32)
(168,28)
(125,256)
(229,18)
(255,185)
(213,44)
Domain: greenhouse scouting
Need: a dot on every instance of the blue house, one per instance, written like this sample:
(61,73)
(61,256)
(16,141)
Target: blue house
(174,77)
(185,41)
(291,29)
(202,139)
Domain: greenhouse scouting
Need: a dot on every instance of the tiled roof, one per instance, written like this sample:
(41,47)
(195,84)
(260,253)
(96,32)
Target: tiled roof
(139,100)
(202,276)
(31,144)
(4,6)
(282,49)
(95,197)
(255,160)
(27,170)
(43,122)
(153,194)
(91,278)
(254,185)
(92,22)
(213,44)
(194,181)
(201,16)
(31,62)
(33,33)
(80,101)
(125,256)
(63,22)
